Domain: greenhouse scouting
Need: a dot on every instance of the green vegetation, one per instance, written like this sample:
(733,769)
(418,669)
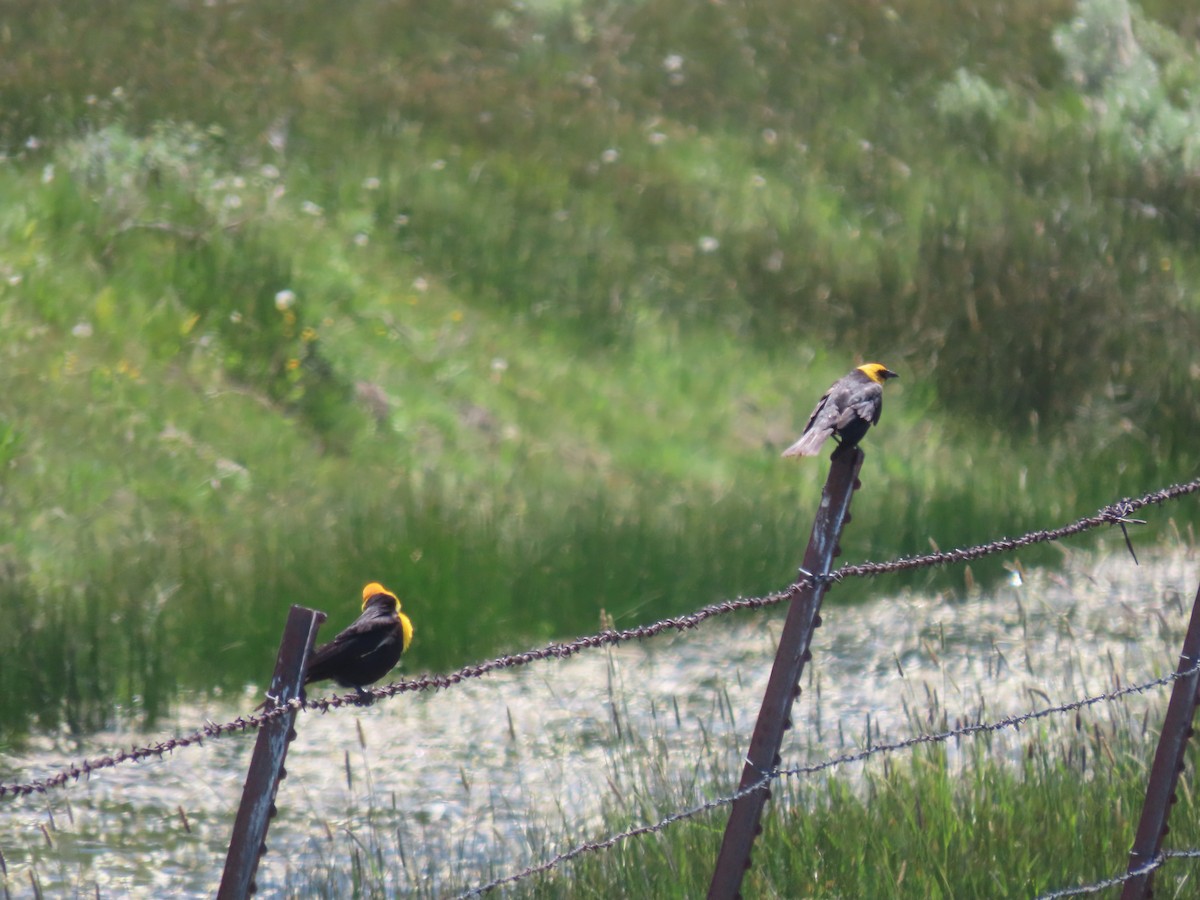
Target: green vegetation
(1011,813)
(916,827)
(512,308)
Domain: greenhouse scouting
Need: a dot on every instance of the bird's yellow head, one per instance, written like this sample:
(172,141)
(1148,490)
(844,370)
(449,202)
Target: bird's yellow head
(375,589)
(877,372)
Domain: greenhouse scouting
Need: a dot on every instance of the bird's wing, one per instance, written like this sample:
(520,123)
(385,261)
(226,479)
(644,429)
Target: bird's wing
(816,432)
(346,645)
(816,413)
(865,404)
(365,635)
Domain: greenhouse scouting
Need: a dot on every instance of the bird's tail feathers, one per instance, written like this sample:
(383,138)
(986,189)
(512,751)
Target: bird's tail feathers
(808,445)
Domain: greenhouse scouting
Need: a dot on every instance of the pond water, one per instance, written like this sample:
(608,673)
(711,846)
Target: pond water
(439,792)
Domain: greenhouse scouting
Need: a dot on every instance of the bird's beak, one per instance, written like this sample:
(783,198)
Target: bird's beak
(888,373)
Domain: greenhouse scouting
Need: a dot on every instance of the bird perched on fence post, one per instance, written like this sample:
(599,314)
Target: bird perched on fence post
(850,406)
(369,647)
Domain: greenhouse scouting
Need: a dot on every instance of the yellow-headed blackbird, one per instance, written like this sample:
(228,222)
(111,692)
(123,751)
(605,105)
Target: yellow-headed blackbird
(369,648)
(847,410)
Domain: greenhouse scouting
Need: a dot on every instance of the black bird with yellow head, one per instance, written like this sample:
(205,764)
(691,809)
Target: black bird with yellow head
(850,406)
(369,648)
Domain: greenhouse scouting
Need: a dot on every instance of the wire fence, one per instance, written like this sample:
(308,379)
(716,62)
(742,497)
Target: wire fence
(1117,514)
(1117,880)
(962,731)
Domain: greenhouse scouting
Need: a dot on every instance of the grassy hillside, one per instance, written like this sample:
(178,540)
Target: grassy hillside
(513,309)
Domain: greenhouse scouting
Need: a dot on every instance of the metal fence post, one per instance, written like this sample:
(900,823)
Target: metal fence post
(257,809)
(1168,762)
(783,686)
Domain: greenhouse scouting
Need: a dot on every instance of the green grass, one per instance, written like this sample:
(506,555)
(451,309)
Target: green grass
(514,308)
(1014,813)
(916,828)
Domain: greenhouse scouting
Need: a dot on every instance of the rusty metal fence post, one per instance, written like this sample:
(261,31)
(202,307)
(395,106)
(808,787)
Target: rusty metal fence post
(783,686)
(1168,763)
(246,845)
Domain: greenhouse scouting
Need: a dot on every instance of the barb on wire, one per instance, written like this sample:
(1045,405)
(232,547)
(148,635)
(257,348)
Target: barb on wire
(1097,886)
(1114,514)
(939,737)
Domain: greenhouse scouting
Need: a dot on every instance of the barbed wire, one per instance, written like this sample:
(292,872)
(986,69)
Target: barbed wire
(559,650)
(972,729)
(158,750)
(962,731)
(1117,513)
(613,840)
(1098,886)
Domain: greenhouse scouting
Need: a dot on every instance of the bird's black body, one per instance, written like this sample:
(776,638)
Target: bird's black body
(848,409)
(369,648)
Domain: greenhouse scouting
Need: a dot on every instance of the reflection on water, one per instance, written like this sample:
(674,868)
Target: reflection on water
(442,791)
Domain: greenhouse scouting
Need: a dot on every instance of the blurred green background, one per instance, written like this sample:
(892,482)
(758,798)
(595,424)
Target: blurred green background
(512,307)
